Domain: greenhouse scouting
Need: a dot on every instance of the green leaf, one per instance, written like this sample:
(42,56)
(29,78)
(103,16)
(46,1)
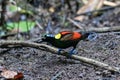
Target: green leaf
(23,26)
(13,8)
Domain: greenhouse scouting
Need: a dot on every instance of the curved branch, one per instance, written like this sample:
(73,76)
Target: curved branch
(45,47)
(101,30)
(93,29)
(104,29)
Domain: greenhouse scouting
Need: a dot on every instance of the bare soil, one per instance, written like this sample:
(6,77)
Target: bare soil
(42,65)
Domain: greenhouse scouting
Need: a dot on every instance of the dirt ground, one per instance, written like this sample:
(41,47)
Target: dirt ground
(42,65)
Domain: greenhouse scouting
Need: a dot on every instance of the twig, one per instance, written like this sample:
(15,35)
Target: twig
(38,24)
(55,50)
(102,30)
(2,20)
(11,34)
(97,30)
(58,74)
(75,23)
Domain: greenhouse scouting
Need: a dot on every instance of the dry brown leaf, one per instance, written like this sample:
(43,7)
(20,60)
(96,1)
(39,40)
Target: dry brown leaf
(52,9)
(11,75)
(90,6)
(105,2)
(18,76)
(8,74)
(112,4)
(85,1)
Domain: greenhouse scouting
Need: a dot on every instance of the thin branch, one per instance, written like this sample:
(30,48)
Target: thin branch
(12,34)
(57,75)
(3,12)
(97,30)
(75,23)
(55,50)
(104,29)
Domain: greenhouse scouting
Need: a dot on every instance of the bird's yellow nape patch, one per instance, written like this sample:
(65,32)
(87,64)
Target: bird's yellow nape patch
(58,36)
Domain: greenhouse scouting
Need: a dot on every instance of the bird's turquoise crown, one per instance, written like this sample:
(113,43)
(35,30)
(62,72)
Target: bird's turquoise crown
(48,35)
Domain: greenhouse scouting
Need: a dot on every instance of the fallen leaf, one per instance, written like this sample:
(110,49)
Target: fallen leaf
(22,26)
(90,6)
(18,76)
(52,9)
(8,74)
(11,75)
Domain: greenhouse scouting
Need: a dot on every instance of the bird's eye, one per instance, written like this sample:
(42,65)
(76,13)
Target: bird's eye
(92,36)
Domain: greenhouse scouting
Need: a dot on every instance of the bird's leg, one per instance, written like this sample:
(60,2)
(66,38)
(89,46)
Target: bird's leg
(72,51)
(59,50)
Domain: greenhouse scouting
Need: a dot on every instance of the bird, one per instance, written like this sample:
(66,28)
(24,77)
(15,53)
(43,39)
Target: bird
(66,39)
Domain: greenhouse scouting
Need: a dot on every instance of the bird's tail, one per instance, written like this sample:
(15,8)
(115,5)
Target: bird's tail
(89,36)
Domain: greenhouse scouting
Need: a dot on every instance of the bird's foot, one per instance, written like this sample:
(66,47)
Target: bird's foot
(73,51)
(59,51)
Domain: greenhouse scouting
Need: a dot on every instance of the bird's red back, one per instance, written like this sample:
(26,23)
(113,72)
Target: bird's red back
(65,32)
(74,35)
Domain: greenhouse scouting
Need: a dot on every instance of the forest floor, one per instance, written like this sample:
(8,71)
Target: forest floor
(42,65)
